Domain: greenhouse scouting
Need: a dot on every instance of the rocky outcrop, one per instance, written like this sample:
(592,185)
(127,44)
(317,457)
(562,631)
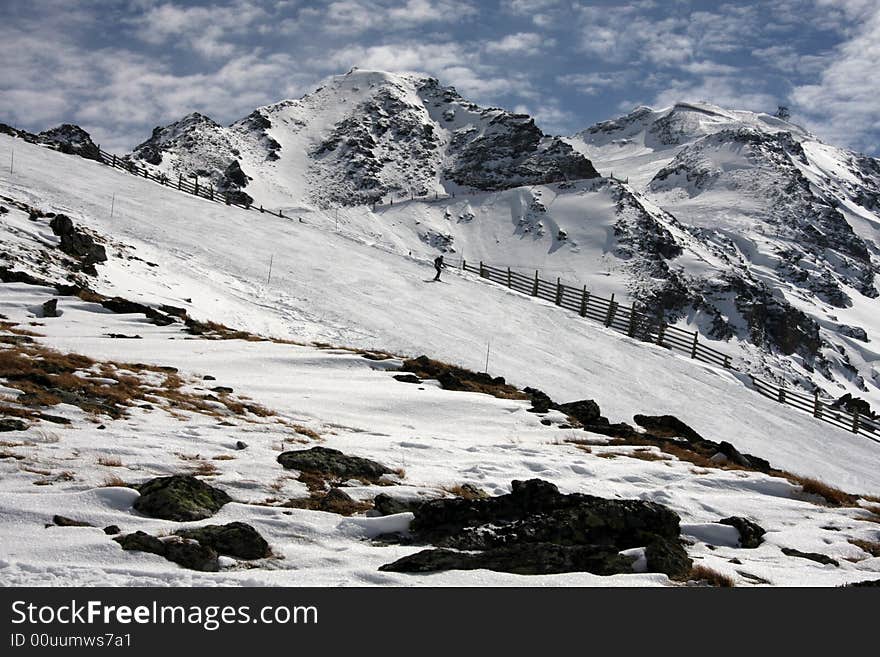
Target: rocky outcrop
(179,497)
(536,529)
(69,138)
(332,462)
(751,534)
(236,539)
(75,242)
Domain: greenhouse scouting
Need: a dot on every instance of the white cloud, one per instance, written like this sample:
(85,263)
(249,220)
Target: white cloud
(521,43)
(842,106)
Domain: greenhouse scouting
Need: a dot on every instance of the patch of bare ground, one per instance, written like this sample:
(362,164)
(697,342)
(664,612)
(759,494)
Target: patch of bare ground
(706,576)
(47,378)
(452,377)
(871,547)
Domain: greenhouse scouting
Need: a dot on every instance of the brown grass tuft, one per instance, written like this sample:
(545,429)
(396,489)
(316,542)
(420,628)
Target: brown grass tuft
(833,496)
(700,573)
(871,547)
(109,461)
(114,482)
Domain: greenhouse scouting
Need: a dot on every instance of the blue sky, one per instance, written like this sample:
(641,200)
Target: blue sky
(121,68)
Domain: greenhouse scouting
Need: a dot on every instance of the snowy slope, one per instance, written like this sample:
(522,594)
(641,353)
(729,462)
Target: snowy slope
(167,247)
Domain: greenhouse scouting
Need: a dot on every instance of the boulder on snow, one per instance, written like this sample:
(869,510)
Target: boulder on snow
(390,506)
(751,534)
(536,529)
(192,555)
(179,497)
(236,539)
(333,462)
(76,243)
(667,425)
(141,542)
(12,424)
(585,411)
(49,308)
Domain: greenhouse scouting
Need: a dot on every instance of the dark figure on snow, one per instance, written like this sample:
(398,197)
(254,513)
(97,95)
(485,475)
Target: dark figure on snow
(438,265)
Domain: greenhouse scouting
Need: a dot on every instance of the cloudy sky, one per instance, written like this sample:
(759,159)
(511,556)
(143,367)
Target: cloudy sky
(120,68)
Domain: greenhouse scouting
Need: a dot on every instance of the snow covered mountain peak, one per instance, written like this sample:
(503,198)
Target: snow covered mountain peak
(365,137)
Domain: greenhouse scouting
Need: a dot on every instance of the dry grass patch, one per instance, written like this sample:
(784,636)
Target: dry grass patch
(48,377)
(832,496)
(110,461)
(871,547)
(205,469)
(700,573)
(223,457)
(114,482)
(466,491)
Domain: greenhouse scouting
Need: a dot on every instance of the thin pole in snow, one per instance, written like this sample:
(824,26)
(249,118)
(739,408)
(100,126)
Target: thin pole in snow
(271,258)
(12,160)
(112,204)
(488,342)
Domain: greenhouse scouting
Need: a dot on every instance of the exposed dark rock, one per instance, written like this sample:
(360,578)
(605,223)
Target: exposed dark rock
(666,425)
(407,378)
(452,377)
(585,411)
(236,539)
(179,497)
(536,529)
(112,530)
(333,462)
(867,582)
(854,405)
(520,558)
(12,424)
(141,542)
(76,243)
(745,460)
(223,389)
(240,444)
(50,308)
(390,506)
(667,556)
(192,555)
(541,402)
(750,533)
(812,556)
(62,521)
(69,138)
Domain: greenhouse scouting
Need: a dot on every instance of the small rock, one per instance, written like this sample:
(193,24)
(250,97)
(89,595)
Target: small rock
(208,377)
(112,530)
(192,555)
(389,506)
(750,533)
(812,556)
(334,462)
(62,521)
(240,444)
(12,424)
(407,378)
(667,425)
(236,539)
(141,542)
(50,308)
(179,497)
(224,389)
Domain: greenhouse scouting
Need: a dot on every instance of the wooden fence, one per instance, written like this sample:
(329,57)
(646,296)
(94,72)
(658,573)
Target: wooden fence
(647,326)
(205,191)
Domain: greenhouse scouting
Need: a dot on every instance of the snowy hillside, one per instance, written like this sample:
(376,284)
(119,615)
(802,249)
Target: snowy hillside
(232,403)
(792,222)
(361,138)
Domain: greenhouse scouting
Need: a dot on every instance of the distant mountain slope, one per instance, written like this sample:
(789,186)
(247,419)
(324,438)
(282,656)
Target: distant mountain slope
(794,223)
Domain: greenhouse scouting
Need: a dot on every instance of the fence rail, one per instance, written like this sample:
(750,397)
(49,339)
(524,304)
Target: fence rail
(642,324)
(181,183)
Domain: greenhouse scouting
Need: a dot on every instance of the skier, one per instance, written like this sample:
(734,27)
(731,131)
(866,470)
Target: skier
(438,265)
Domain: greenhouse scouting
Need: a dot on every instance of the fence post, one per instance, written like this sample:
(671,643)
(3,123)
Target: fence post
(727,362)
(535,288)
(780,397)
(660,332)
(585,297)
(211,192)
(114,161)
(509,283)
(180,181)
(611,311)
(146,173)
(227,198)
(481,269)
(855,427)
(631,331)
(463,265)
(817,405)
(197,187)
(558,291)
(694,346)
